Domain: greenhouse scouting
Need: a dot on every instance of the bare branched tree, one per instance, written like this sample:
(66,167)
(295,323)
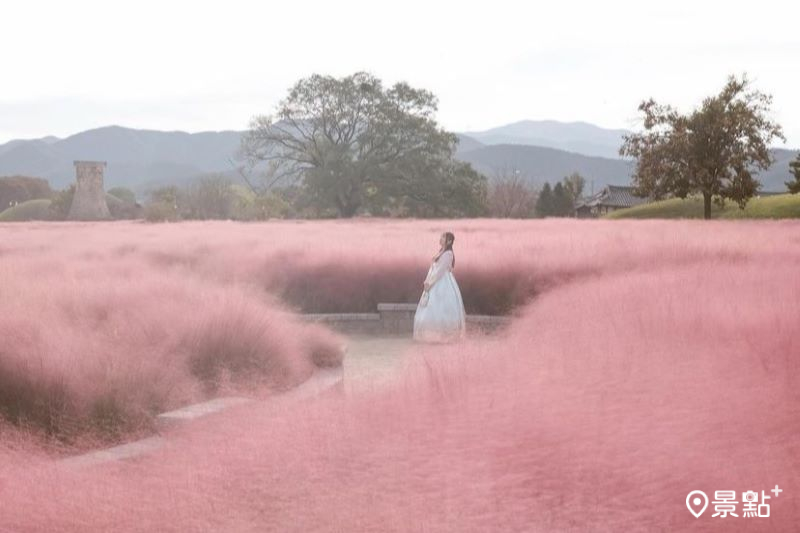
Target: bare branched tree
(510,196)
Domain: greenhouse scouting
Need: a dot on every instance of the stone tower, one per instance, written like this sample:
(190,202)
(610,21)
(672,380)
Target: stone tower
(89,202)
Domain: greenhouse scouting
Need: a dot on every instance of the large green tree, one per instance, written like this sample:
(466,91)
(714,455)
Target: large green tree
(715,150)
(794,166)
(563,204)
(354,144)
(574,184)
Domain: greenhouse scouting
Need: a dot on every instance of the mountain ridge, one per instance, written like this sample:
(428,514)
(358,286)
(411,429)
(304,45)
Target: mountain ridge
(579,137)
(144,158)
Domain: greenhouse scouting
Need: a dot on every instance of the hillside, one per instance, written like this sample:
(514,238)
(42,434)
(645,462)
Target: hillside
(140,159)
(537,164)
(775,178)
(467,143)
(579,137)
(778,206)
(135,157)
(572,142)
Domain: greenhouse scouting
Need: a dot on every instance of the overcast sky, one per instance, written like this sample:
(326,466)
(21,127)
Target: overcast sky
(197,66)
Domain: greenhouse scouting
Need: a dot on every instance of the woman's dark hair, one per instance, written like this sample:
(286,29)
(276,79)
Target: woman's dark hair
(449,239)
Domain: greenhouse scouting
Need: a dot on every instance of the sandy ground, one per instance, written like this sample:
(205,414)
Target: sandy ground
(371,361)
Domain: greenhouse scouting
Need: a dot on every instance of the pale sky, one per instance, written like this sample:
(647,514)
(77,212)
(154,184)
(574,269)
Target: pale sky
(198,66)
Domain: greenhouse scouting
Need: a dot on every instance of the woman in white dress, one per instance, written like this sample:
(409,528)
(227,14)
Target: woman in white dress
(440,315)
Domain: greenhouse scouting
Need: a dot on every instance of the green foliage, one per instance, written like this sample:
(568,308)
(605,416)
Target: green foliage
(563,205)
(545,204)
(777,206)
(270,205)
(30,210)
(124,194)
(163,205)
(794,166)
(445,188)
(214,198)
(248,205)
(712,151)
(122,210)
(62,201)
(15,190)
(559,201)
(166,195)
(209,198)
(574,184)
(357,146)
(161,211)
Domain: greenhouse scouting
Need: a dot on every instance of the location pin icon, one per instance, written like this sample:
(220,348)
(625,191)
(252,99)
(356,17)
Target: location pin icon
(697,501)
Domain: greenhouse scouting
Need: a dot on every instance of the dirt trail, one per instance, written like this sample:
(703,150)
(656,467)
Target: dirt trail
(372,360)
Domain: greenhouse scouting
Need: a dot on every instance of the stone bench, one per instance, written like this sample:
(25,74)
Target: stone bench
(353,323)
(397,319)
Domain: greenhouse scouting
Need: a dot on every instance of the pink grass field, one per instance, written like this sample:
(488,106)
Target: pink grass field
(96,339)
(646,359)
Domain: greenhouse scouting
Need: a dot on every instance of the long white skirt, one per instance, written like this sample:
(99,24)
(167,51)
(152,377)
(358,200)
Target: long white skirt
(443,318)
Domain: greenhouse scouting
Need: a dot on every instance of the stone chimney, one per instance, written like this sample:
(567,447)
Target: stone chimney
(89,202)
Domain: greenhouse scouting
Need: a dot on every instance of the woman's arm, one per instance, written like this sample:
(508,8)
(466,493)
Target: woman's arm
(440,268)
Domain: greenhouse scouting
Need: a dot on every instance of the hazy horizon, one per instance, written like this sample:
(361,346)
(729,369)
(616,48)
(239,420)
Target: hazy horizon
(189,67)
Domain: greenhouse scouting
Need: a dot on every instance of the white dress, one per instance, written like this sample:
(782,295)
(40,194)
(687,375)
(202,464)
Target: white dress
(442,317)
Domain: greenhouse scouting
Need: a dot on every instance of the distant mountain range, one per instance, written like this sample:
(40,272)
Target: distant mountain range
(537,164)
(547,151)
(136,158)
(577,137)
(142,159)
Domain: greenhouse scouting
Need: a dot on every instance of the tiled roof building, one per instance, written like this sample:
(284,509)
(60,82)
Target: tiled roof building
(611,198)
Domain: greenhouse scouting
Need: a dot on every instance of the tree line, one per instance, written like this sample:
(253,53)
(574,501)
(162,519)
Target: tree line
(219,197)
(353,146)
(341,147)
(215,197)
(30,198)
(511,196)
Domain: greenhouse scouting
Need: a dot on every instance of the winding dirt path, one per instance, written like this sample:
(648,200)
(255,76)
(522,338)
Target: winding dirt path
(372,360)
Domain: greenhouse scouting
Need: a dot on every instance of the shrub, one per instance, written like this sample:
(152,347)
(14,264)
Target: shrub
(161,212)
(209,198)
(62,201)
(122,209)
(249,206)
(124,194)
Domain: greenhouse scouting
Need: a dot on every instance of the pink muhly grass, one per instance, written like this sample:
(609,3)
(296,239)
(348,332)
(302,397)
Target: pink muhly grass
(93,343)
(656,358)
